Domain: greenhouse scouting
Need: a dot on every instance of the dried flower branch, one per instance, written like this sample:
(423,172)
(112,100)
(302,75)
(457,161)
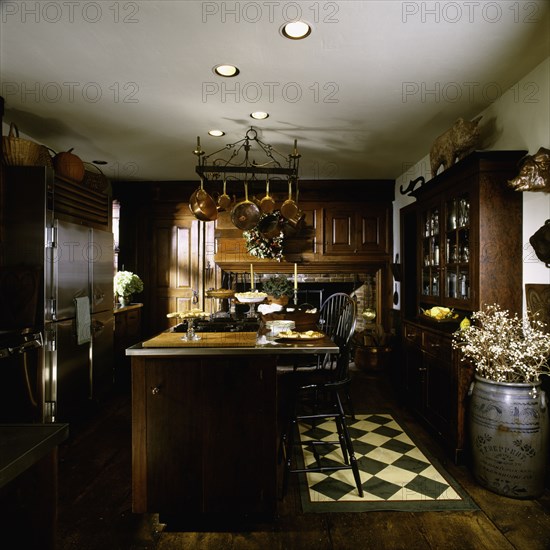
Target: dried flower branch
(505,348)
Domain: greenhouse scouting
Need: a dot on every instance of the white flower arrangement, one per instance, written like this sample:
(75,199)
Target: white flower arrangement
(127,283)
(505,348)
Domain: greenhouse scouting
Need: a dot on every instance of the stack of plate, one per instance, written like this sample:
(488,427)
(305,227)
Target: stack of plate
(275,327)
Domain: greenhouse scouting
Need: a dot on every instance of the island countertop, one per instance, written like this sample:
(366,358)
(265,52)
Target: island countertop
(238,343)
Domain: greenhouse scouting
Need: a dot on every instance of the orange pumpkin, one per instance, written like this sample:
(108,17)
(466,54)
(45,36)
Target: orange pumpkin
(68,165)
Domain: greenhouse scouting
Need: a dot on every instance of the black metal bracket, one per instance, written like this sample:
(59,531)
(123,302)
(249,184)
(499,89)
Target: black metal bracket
(412,184)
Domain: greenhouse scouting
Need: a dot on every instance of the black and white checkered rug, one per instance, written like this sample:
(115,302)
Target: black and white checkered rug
(395,473)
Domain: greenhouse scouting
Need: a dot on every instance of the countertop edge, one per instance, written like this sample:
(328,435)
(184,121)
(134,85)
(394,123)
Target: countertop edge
(23,445)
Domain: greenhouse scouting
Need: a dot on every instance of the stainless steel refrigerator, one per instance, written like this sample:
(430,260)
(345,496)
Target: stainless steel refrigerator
(76,292)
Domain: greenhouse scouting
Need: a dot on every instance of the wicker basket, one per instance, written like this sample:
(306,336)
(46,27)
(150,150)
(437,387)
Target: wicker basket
(20,152)
(95,180)
(44,157)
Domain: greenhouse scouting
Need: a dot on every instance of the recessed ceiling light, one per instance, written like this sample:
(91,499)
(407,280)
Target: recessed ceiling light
(296,30)
(226,70)
(216,133)
(259,115)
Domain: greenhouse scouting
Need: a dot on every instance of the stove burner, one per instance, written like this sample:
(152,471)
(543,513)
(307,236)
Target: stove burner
(220,325)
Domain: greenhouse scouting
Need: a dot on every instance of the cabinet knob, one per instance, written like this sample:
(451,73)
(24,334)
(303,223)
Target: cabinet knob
(155,390)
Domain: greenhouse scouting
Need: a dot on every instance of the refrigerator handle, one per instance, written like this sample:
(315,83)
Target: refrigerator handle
(97,326)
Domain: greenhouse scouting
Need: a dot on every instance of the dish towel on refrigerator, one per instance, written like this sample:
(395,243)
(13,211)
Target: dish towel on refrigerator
(83,321)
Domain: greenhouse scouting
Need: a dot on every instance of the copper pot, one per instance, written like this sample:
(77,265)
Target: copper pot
(246,214)
(202,205)
(289,208)
(224,200)
(267,204)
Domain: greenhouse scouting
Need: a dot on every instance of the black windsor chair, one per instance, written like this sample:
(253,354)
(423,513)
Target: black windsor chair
(316,396)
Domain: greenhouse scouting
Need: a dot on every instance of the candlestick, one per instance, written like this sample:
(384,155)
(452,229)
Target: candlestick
(295,276)
(198,142)
(251,276)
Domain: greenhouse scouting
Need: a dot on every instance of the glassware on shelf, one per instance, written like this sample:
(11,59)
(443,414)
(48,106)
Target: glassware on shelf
(465,253)
(452,217)
(426,283)
(436,254)
(435,222)
(435,285)
(451,285)
(463,286)
(452,256)
(463,213)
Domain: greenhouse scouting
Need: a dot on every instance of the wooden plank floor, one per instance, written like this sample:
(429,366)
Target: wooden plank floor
(95,502)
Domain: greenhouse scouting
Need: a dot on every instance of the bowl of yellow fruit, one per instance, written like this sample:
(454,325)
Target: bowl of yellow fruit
(440,314)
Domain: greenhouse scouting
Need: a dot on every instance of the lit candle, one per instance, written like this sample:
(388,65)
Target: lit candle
(251,276)
(295,276)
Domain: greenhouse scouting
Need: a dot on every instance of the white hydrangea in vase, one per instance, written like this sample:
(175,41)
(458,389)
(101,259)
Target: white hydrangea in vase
(127,284)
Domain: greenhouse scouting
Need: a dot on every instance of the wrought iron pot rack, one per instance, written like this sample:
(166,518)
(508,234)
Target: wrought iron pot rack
(213,167)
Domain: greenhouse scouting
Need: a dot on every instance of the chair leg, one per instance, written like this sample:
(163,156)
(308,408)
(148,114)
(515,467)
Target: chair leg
(351,452)
(350,405)
(340,423)
(287,451)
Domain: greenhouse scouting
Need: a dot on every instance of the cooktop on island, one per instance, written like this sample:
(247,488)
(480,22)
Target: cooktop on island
(221,325)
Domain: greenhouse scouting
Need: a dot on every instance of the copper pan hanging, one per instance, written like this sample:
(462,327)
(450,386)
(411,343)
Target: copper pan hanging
(267,204)
(246,214)
(294,216)
(202,205)
(224,200)
(289,207)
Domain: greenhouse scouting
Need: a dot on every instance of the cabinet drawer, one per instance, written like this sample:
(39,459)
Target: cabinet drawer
(413,334)
(436,345)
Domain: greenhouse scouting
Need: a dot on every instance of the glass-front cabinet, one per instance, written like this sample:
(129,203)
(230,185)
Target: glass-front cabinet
(468,247)
(445,259)
(457,247)
(431,252)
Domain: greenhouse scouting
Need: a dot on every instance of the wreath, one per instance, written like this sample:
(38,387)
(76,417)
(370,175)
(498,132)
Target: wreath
(257,244)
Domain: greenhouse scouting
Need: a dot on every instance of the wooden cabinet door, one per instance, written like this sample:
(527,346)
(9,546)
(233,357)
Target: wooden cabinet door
(372,231)
(169,424)
(414,368)
(339,231)
(239,437)
(440,397)
(176,268)
(361,229)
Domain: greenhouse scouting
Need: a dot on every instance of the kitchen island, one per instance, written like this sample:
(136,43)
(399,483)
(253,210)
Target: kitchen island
(204,423)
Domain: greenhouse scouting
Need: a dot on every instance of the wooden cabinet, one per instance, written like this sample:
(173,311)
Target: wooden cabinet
(340,237)
(356,229)
(469,235)
(436,384)
(127,333)
(204,435)
(461,248)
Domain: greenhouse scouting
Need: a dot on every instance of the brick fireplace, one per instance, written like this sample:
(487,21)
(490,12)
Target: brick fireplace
(315,288)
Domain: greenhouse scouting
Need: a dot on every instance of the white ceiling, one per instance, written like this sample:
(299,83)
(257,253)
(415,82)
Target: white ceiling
(132,83)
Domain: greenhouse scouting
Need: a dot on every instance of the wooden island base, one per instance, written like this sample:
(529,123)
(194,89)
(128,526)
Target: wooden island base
(204,429)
